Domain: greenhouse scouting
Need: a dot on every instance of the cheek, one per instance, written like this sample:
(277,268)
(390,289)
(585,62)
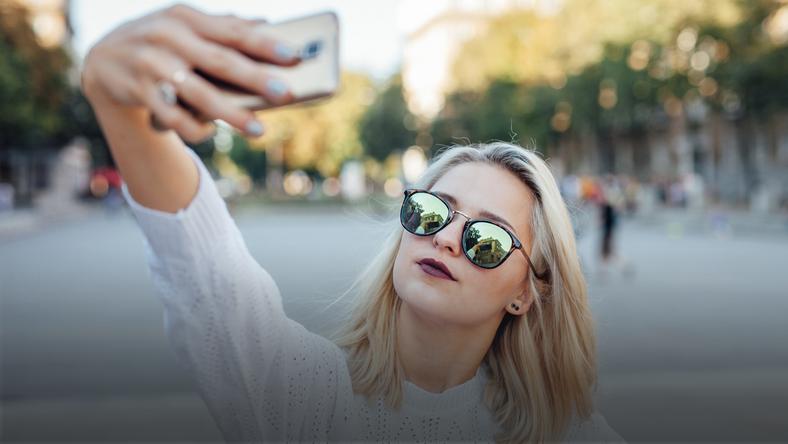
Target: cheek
(406,281)
(495,288)
(410,285)
(399,274)
(480,296)
(484,292)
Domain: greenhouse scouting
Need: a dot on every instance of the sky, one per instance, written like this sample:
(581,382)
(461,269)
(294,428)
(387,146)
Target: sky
(372,32)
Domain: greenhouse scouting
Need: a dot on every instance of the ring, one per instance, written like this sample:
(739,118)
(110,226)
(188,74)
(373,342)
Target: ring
(167,92)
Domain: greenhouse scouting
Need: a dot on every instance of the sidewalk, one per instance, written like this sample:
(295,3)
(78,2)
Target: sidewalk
(173,417)
(15,224)
(719,221)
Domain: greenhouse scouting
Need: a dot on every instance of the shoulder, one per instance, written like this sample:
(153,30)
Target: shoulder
(593,428)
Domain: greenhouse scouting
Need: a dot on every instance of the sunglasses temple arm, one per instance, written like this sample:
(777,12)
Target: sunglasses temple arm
(541,276)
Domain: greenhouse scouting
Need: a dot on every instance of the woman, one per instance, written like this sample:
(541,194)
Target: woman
(472,323)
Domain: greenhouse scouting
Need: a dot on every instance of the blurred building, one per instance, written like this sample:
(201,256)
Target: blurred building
(428,56)
(430,50)
(721,159)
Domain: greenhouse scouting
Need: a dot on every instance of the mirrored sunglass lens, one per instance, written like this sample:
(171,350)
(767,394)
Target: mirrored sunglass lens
(423,213)
(486,244)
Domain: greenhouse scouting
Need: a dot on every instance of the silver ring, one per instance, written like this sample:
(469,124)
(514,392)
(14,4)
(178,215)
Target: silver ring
(167,92)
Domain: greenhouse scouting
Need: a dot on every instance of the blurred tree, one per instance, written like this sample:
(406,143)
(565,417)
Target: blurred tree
(314,137)
(525,46)
(748,67)
(457,123)
(80,120)
(617,97)
(745,78)
(387,125)
(33,84)
(205,150)
(245,159)
(593,83)
(506,111)
(253,162)
(319,136)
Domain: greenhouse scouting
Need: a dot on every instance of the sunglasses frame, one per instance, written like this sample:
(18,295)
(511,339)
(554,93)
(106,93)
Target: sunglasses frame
(516,244)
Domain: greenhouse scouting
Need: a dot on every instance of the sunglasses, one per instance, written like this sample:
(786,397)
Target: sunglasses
(486,243)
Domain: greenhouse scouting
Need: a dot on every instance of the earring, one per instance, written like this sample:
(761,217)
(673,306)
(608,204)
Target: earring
(516,308)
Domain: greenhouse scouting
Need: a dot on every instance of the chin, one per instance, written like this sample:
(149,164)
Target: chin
(425,305)
(424,298)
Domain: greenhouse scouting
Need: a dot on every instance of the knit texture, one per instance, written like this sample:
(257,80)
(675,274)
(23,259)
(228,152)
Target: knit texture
(263,376)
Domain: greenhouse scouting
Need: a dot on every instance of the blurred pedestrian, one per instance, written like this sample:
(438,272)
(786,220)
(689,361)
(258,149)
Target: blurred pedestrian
(609,216)
(610,199)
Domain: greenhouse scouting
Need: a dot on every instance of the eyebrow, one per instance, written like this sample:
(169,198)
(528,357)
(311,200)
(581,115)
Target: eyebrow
(483,213)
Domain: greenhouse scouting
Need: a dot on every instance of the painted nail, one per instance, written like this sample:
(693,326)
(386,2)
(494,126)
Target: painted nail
(277,87)
(254,128)
(283,51)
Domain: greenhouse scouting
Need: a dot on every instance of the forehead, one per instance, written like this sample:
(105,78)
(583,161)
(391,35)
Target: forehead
(479,187)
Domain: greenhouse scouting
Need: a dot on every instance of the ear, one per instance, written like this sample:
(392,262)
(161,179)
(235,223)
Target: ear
(520,305)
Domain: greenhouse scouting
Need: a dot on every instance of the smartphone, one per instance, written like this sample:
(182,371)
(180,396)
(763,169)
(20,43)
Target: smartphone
(316,38)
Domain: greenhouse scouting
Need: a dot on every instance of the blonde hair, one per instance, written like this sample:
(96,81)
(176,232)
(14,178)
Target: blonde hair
(541,366)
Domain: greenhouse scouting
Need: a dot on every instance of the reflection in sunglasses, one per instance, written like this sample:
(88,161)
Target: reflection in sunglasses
(486,251)
(485,243)
(424,213)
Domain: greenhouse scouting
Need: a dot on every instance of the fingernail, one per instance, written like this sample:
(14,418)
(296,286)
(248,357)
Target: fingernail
(254,128)
(283,51)
(277,87)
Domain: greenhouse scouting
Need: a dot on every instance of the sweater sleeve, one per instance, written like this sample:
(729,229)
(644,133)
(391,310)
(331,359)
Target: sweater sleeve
(262,375)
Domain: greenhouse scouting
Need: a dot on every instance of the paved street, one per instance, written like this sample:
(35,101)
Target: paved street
(692,344)
(692,329)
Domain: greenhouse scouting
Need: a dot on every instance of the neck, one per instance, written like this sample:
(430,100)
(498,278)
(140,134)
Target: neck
(437,356)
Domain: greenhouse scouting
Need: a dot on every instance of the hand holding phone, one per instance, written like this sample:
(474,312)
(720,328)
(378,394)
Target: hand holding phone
(315,38)
(159,64)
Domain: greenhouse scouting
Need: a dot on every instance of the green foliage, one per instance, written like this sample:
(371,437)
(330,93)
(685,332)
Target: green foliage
(33,84)
(505,111)
(383,127)
(81,121)
(457,121)
(204,150)
(610,95)
(529,47)
(318,136)
(17,111)
(752,79)
(634,85)
(253,161)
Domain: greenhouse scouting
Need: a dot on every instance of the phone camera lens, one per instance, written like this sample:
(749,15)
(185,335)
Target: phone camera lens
(311,49)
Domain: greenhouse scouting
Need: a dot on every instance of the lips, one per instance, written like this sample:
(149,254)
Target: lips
(436,268)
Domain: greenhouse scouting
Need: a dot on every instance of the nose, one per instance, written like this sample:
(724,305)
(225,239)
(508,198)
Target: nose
(449,236)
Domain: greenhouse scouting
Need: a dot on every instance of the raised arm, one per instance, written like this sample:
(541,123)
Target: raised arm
(122,79)
(262,375)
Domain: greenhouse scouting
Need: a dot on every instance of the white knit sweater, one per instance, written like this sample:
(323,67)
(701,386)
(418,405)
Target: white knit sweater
(263,376)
